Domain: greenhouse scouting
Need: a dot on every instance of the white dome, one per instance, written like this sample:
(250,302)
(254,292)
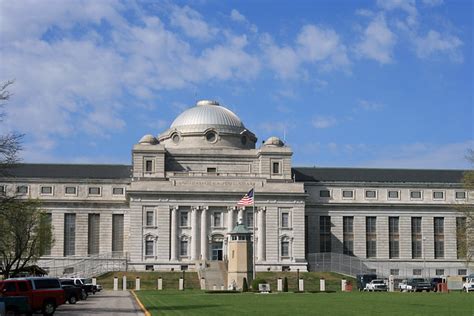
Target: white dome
(274,141)
(208,113)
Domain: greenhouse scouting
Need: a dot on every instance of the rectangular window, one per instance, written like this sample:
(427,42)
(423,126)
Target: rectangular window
(460,195)
(217,219)
(394,271)
(371,236)
(439,237)
(462,271)
(249,219)
(149,248)
(324,193)
(415,195)
(47,190)
(93,234)
(285,248)
(325,233)
(393,195)
(69,234)
(348,194)
(94,191)
(22,189)
(148,165)
(416,271)
(46,222)
(117,233)
(183,250)
(275,167)
(70,190)
(211,170)
(461,237)
(439,272)
(371,194)
(416,238)
(348,235)
(393,237)
(438,195)
(183,219)
(149,218)
(117,191)
(285,220)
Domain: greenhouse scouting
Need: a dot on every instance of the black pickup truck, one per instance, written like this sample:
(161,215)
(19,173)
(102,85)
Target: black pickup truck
(73,293)
(419,285)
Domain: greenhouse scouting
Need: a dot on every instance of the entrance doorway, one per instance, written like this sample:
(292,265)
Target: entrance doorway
(217,253)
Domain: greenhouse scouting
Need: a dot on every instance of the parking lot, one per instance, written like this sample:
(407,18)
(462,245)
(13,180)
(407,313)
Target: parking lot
(118,303)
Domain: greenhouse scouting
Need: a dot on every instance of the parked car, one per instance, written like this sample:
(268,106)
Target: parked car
(468,285)
(73,293)
(419,284)
(44,294)
(404,286)
(378,285)
(95,288)
(363,279)
(14,305)
(88,288)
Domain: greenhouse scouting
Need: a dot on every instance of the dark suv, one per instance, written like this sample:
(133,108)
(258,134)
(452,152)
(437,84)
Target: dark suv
(419,285)
(84,290)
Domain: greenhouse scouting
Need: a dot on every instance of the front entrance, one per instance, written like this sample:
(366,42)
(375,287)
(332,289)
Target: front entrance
(217,253)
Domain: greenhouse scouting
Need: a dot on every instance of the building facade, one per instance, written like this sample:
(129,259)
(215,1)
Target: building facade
(174,206)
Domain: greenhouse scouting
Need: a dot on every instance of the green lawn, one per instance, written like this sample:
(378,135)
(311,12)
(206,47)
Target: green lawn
(194,302)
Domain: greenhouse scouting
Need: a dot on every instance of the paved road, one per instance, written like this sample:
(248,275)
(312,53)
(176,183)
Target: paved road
(117,303)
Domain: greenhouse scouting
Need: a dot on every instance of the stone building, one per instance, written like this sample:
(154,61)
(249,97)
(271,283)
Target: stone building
(174,206)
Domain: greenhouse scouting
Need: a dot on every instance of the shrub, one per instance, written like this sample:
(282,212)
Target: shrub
(245,286)
(256,282)
(285,285)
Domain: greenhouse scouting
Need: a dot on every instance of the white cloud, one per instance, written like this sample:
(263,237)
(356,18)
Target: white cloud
(324,121)
(377,42)
(409,6)
(192,23)
(369,105)
(435,43)
(432,3)
(237,16)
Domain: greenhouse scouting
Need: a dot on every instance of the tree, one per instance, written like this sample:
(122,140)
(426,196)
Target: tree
(465,225)
(26,234)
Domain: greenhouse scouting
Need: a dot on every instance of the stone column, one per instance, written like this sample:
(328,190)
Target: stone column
(195,234)
(174,233)
(230,218)
(240,217)
(204,242)
(261,235)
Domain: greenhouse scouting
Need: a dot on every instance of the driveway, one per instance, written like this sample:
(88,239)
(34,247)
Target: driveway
(117,303)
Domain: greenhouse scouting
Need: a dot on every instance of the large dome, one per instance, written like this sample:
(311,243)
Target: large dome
(208,113)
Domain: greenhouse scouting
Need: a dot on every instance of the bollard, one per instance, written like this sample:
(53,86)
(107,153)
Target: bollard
(137,284)
(279,285)
(94,281)
(343,285)
(391,283)
(115,284)
(222,287)
(160,284)
(124,283)
(181,284)
(214,287)
(203,284)
(301,285)
(322,285)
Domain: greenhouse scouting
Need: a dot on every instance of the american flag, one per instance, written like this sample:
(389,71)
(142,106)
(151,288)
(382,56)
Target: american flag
(247,200)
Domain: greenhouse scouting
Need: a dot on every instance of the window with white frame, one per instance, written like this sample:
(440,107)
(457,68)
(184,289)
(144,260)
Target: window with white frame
(347,194)
(94,190)
(324,193)
(285,219)
(148,162)
(217,219)
(149,246)
(285,247)
(118,191)
(417,271)
(183,246)
(150,217)
(276,167)
(415,195)
(438,195)
(460,195)
(392,194)
(249,219)
(70,190)
(47,190)
(183,218)
(22,189)
(370,194)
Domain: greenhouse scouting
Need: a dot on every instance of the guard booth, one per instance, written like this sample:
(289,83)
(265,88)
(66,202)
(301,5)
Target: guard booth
(240,256)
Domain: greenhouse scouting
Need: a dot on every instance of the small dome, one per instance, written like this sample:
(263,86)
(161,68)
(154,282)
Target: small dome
(148,140)
(274,141)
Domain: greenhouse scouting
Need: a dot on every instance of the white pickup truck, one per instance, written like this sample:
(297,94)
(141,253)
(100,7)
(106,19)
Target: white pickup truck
(469,284)
(376,285)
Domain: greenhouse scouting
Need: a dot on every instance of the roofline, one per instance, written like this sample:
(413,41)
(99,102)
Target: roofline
(379,168)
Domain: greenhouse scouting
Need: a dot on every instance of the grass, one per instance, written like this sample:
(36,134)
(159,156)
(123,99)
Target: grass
(148,280)
(196,302)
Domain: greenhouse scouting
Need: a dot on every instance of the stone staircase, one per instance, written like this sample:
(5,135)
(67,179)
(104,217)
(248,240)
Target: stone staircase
(214,273)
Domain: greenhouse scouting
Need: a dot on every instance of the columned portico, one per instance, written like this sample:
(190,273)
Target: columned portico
(261,235)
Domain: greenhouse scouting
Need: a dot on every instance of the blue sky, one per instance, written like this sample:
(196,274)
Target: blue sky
(346,83)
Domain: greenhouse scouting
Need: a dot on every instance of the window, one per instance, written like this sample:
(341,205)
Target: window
(211,170)
(415,195)
(211,137)
(22,286)
(183,249)
(285,247)
(93,234)
(183,219)
(462,271)
(3,189)
(175,138)
(149,218)
(416,271)
(324,193)
(149,268)
(70,190)
(348,194)
(393,237)
(394,272)
(416,238)
(460,195)
(438,195)
(117,233)
(285,219)
(47,283)
(275,167)
(69,234)
(148,165)
(149,247)
(94,191)
(9,287)
(371,236)
(325,233)
(47,190)
(45,235)
(371,194)
(393,194)
(117,191)
(439,237)
(22,189)
(348,235)
(461,237)
(217,219)
(249,219)
(439,271)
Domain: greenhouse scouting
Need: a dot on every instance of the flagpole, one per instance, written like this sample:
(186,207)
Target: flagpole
(253,228)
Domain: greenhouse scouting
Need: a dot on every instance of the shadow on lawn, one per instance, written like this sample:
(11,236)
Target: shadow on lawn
(181,307)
